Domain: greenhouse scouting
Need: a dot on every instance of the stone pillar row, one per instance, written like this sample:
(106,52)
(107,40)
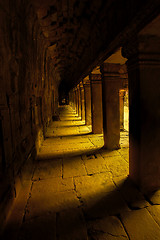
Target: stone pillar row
(143,54)
(104,114)
(113,81)
(102,97)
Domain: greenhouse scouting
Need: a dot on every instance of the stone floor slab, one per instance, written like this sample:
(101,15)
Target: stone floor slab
(140,225)
(130,193)
(155,213)
(109,228)
(95,163)
(48,169)
(73,166)
(41,203)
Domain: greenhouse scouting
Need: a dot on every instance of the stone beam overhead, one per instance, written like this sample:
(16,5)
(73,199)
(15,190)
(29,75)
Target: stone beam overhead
(74,27)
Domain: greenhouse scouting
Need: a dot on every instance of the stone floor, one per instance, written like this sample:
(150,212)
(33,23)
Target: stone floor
(79,191)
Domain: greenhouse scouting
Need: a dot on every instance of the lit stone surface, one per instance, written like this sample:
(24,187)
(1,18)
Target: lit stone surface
(140,225)
(95,163)
(44,202)
(117,165)
(155,213)
(48,169)
(80,190)
(73,166)
(46,47)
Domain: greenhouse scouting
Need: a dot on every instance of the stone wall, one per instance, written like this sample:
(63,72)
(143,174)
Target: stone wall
(27,96)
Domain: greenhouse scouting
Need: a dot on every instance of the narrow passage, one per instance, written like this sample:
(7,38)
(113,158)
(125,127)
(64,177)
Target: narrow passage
(79,191)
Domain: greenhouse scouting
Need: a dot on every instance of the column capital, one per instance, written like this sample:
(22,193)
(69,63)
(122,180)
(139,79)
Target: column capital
(144,48)
(78,87)
(81,84)
(112,69)
(74,89)
(113,72)
(86,81)
(95,78)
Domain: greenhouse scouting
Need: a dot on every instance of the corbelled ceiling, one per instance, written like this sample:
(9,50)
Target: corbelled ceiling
(79,32)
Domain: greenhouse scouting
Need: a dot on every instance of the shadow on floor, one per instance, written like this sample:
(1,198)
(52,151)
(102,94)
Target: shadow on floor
(79,191)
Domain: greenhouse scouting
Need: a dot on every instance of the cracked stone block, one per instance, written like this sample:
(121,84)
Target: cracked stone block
(139,224)
(52,185)
(118,166)
(48,169)
(94,183)
(124,151)
(155,213)
(109,228)
(99,196)
(103,204)
(73,166)
(107,153)
(71,225)
(51,196)
(95,164)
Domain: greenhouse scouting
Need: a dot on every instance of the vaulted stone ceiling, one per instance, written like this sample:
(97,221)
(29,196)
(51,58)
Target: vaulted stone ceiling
(82,33)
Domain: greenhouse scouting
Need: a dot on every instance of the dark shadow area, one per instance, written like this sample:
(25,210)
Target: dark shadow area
(76,222)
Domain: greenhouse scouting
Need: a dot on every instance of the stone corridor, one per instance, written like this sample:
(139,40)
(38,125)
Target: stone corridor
(80,191)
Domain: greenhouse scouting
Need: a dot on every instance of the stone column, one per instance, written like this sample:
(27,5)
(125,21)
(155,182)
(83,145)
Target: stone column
(96,103)
(82,101)
(87,95)
(56,104)
(143,64)
(76,98)
(121,107)
(79,101)
(111,109)
(70,98)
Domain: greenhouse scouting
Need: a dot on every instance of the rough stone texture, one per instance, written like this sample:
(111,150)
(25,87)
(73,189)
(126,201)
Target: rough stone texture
(109,228)
(111,85)
(96,103)
(155,213)
(26,98)
(48,169)
(95,163)
(43,43)
(73,167)
(87,97)
(75,200)
(83,32)
(144,226)
(144,117)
